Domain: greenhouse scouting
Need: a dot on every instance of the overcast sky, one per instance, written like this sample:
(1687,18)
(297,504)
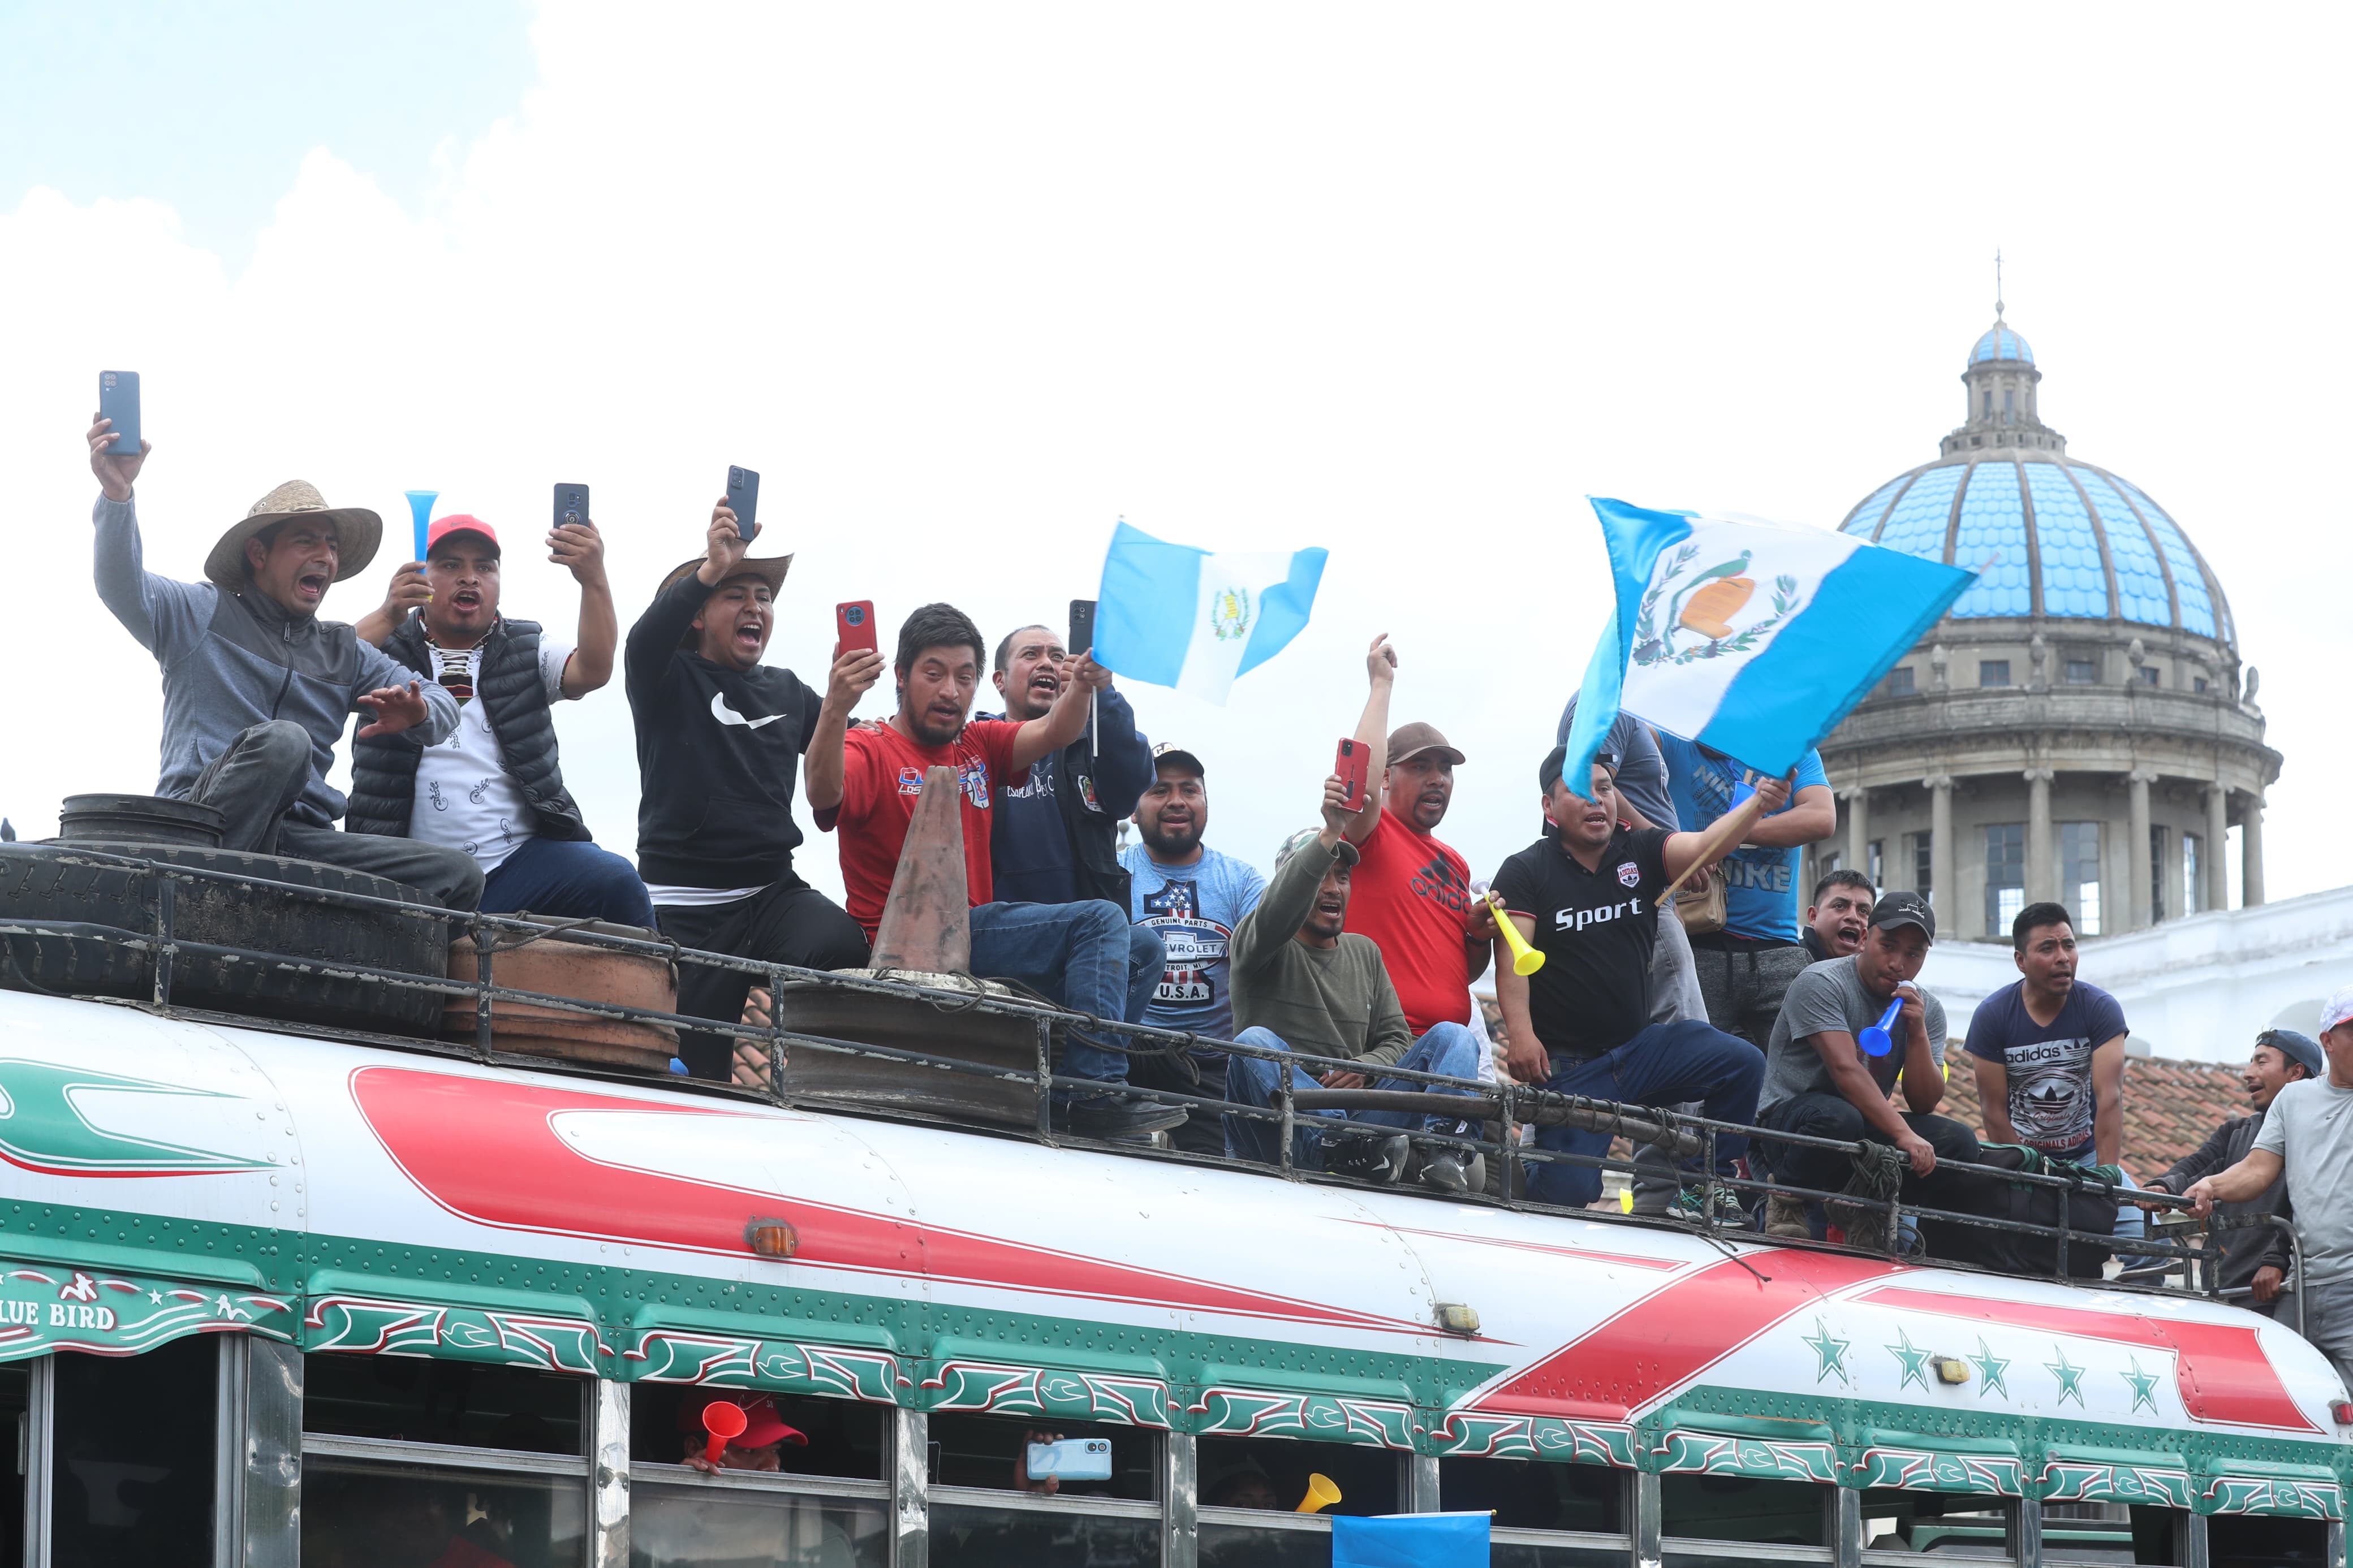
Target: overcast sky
(968,284)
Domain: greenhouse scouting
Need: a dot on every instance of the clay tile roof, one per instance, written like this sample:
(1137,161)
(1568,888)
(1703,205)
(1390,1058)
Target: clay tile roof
(2170,1107)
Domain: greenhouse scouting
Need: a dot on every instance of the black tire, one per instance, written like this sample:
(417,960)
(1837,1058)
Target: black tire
(88,911)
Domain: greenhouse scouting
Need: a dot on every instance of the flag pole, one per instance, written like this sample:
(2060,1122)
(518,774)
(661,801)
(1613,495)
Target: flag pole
(1722,836)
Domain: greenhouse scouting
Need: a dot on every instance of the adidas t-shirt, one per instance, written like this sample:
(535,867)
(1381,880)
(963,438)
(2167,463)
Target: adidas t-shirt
(1596,930)
(2048,1066)
(1412,895)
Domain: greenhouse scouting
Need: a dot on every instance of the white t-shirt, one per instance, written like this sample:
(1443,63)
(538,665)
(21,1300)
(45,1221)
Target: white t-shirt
(465,797)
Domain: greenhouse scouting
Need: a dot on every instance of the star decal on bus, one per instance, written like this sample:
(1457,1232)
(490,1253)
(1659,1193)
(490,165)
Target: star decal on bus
(1992,1369)
(2143,1387)
(2071,1377)
(1830,1352)
(1915,1360)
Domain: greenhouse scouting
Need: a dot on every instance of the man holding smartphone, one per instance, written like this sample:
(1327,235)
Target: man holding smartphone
(493,789)
(257,688)
(864,781)
(720,739)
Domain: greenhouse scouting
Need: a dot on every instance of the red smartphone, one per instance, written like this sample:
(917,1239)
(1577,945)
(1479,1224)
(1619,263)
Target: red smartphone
(1350,765)
(854,624)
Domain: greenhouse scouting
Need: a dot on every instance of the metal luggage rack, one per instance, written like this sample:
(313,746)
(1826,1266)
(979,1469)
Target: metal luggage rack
(1504,1106)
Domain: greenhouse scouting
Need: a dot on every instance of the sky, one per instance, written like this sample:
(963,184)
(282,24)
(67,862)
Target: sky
(969,284)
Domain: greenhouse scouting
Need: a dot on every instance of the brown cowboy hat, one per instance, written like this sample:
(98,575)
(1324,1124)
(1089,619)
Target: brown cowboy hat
(358,531)
(770,570)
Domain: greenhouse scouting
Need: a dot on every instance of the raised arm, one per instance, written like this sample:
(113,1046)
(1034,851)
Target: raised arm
(1066,721)
(664,624)
(1727,833)
(1283,908)
(1810,819)
(160,614)
(580,548)
(822,769)
(1373,736)
(1124,768)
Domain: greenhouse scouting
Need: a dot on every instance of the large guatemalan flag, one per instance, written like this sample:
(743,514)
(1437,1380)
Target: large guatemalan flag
(1751,637)
(1169,614)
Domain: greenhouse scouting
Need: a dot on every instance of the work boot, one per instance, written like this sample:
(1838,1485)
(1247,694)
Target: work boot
(1116,1118)
(1785,1216)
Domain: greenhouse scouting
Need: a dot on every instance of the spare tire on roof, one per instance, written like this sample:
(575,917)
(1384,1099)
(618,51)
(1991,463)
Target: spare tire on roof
(75,921)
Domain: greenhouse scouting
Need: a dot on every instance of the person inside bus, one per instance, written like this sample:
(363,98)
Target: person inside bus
(2254,1257)
(1583,895)
(758,1446)
(1839,917)
(720,738)
(494,789)
(1303,983)
(257,688)
(863,780)
(1410,891)
(1820,1082)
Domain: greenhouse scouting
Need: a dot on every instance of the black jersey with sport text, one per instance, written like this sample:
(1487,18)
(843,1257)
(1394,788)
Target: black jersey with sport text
(1597,930)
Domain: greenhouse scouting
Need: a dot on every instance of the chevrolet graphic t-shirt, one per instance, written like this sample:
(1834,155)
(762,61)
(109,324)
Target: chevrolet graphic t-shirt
(1193,909)
(1411,895)
(2049,1064)
(1597,930)
(1760,885)
(882,773)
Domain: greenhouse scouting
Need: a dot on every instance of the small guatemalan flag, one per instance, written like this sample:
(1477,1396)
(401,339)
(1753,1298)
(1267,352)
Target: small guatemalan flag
(1169,614)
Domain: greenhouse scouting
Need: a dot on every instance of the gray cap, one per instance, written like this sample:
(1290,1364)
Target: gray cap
(1343,852)
(1170,752)
(2300,1048)
(1905,909)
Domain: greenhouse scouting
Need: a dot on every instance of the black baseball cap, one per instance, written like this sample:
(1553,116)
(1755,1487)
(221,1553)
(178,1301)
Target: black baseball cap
(1548,771)
(1170,752)
(1905,909)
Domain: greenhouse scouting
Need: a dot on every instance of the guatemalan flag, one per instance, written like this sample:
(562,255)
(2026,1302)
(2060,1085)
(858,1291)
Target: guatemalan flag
(1412,1540)
(1169,614)
(1751,637)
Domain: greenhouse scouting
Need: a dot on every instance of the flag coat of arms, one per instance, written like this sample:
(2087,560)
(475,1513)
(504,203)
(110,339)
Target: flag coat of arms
(1754,638)
(1170,615)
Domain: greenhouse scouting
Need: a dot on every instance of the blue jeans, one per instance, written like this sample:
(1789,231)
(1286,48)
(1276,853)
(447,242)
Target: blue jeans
(1449,1049)
(1666,1064)
(568,880)
(1085,956)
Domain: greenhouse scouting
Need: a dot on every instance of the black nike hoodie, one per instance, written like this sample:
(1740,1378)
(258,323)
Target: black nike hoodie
(718,753)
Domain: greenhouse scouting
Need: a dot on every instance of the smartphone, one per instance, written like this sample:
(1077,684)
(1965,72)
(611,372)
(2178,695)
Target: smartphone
(571,504)
(1350,766)
(853,624)
(744,495)
(118,399)
(1071,1459)
(1082,626)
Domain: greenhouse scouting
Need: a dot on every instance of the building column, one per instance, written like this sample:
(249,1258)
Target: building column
(2216,868)
(1858,829)
(2140,883)
(1940,845)
(2250,853)
(2041,869)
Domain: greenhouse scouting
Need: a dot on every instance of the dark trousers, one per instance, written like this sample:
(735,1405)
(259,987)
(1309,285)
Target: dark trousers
(1664,1065)
(1834,1116)
(787,922)
(568,879)
(259,777)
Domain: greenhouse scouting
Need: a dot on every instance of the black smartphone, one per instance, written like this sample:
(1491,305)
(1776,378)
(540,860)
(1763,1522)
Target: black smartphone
(1082,626)
(743,496)
(571,504)
(118,399)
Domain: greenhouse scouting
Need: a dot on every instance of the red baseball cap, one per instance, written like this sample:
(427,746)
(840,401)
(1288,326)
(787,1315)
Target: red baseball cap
(762,1425)
(459,522)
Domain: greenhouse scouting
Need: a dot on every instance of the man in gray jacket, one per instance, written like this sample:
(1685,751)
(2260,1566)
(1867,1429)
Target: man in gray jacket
(256,688)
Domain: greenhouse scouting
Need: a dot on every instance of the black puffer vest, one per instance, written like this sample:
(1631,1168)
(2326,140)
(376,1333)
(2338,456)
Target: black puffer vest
(507,686)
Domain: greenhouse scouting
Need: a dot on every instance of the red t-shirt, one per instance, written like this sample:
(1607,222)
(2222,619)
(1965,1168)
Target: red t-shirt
(1410,894)
(882,773)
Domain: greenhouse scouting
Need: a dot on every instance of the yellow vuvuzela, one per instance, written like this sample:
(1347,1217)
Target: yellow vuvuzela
(1526,960)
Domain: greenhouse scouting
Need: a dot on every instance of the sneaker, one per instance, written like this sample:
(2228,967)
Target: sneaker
(1785,1216)
(1692,1202)
(1115,1118)
(1455,1171)
(1368,1159)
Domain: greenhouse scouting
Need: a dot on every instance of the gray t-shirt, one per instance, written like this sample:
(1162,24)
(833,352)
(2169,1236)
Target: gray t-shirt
(2310,1127)
(1641,768)
(1829,995)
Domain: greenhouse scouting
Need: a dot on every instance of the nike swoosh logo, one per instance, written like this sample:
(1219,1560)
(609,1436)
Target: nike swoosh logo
(726,715)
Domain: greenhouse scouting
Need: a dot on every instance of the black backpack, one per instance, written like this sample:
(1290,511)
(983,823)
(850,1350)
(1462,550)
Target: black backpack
(2016,1252)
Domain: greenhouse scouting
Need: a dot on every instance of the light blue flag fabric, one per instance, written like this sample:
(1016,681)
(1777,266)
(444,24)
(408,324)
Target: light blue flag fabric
(1752,638)
(1169,614)
(1411,1540)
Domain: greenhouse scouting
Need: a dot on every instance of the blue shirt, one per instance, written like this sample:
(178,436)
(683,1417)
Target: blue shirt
(2052,1104)
(1760,885)
(1193,909)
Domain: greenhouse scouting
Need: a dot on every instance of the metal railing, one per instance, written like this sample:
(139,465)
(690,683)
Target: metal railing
(1499,1109)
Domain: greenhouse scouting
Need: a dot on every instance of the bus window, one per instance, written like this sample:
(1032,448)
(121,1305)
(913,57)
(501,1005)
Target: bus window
(358,1514)
(1942,1524)
(412,1400)
(1741,1508)
(2110,1532)
(843,1438)
(2245,1541)
(1270,1476)
(1536,1494)
(1108,1524)
(16,1401)
(133,1445)
(680,1525)
(970,1450)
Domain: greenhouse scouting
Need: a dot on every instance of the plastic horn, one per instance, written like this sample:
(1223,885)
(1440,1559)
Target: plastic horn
(420,512)
(1321,1494)
(1877,1041)
(1526,960)
(724,1420)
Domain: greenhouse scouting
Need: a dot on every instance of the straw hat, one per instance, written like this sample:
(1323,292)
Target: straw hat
(358,531)
(770,570)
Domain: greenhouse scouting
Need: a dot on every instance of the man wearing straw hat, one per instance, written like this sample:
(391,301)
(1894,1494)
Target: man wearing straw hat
(257,688)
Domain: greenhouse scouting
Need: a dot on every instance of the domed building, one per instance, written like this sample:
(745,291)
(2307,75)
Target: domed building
(2076,727)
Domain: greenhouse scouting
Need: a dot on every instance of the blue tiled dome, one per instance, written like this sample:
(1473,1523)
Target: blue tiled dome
(2000,342)
(2043,527)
